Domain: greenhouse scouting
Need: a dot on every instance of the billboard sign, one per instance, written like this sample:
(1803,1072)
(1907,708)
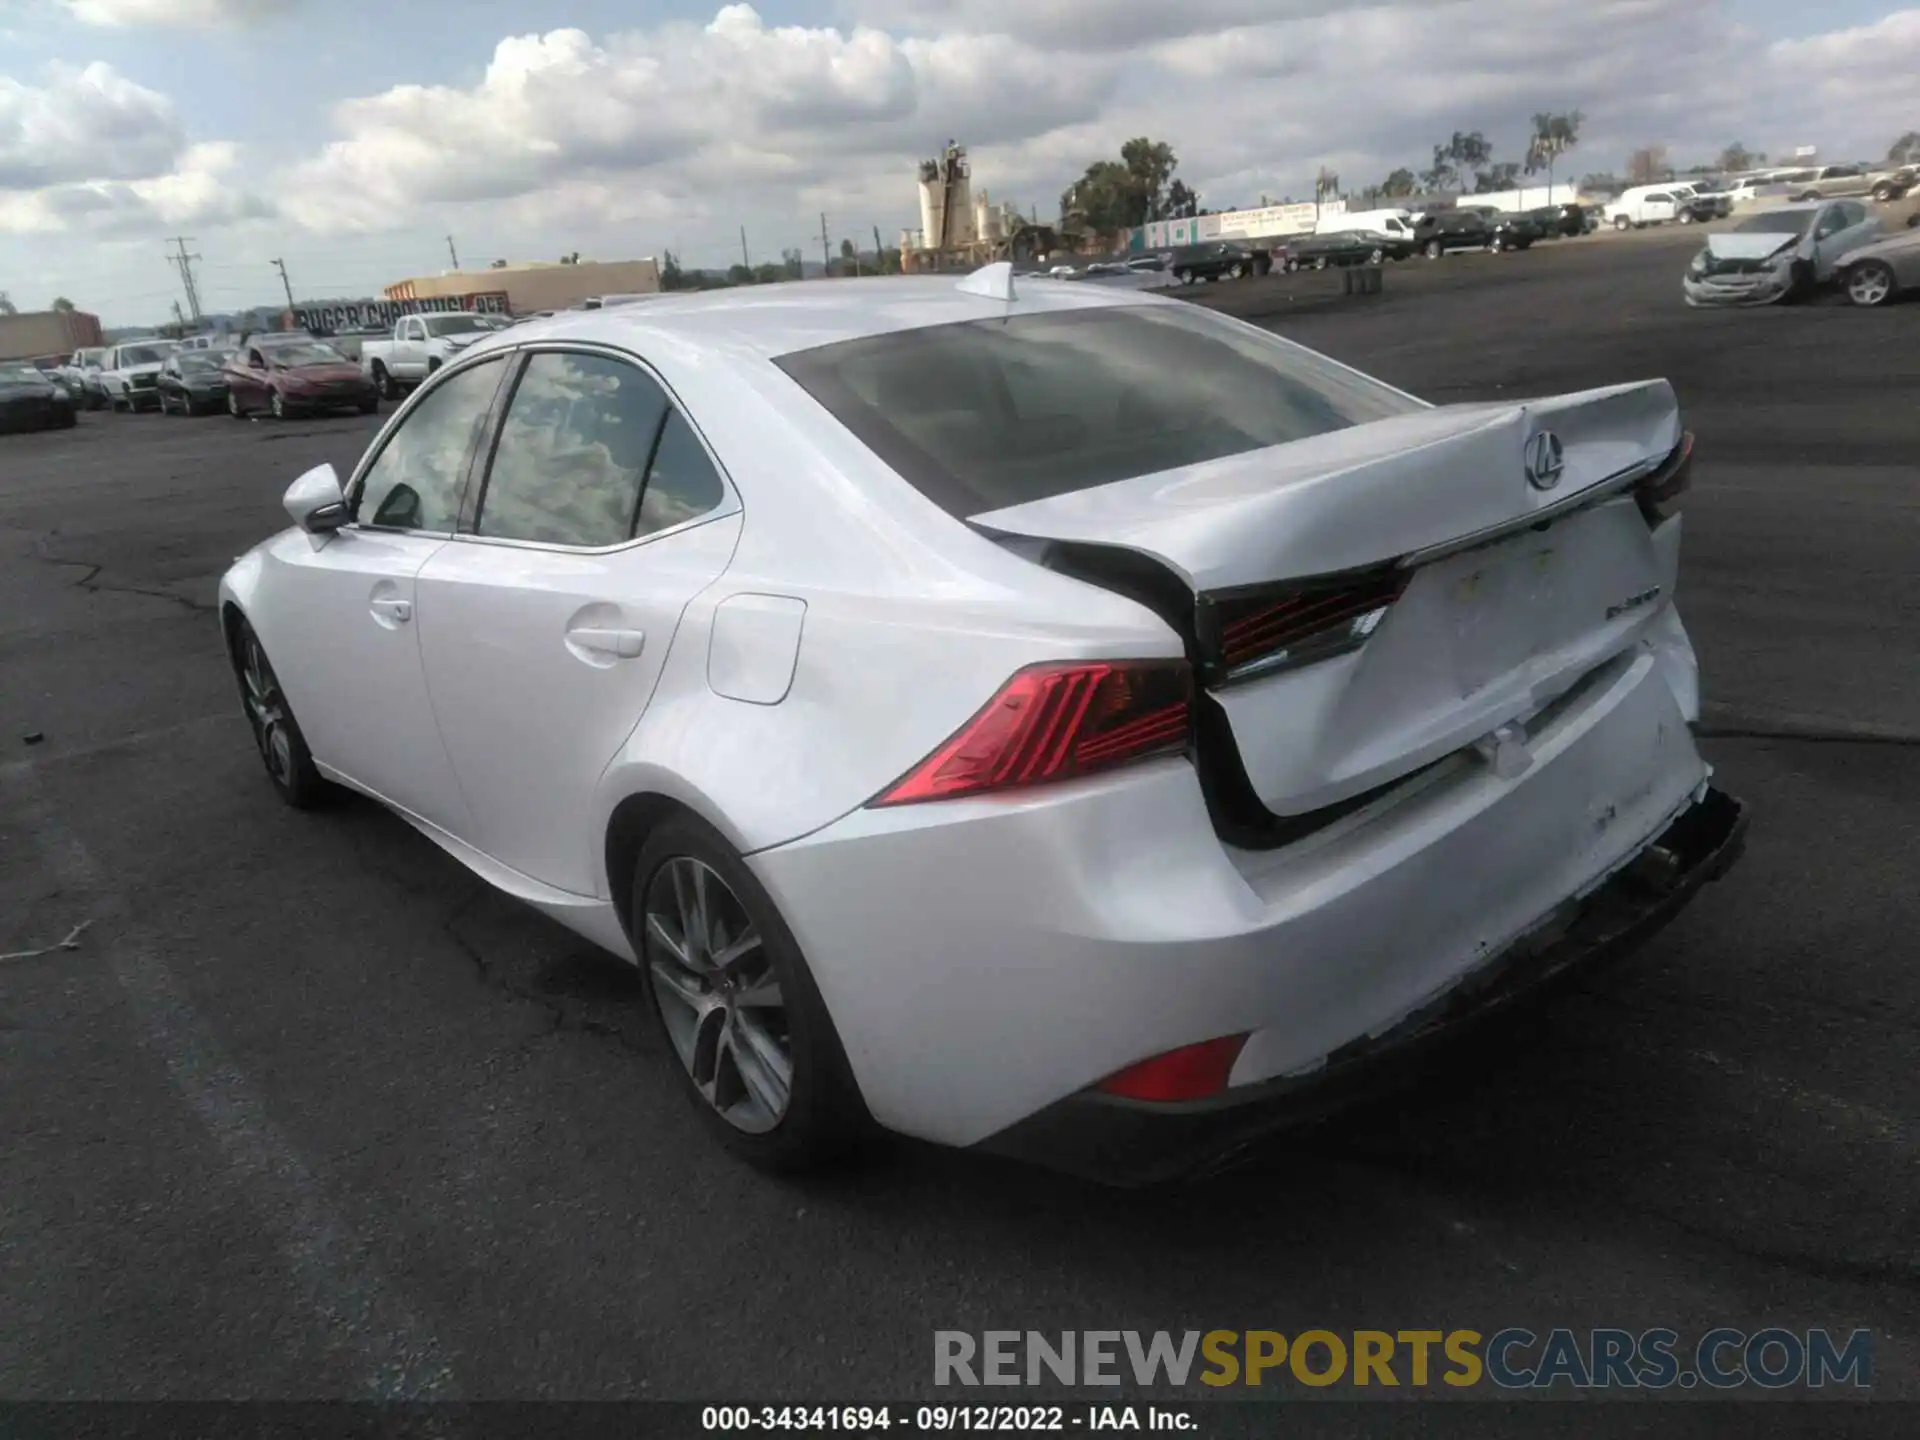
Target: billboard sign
(325,316)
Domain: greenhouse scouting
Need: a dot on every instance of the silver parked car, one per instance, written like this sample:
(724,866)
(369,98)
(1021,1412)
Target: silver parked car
(1876,273)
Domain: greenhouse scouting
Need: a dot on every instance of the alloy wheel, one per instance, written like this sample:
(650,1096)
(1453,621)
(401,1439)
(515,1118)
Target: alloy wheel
(278,406)
(1870,284)
(718,993)
(233,404)
(266,711)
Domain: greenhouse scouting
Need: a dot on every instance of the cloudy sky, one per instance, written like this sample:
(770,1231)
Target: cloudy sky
(351,137)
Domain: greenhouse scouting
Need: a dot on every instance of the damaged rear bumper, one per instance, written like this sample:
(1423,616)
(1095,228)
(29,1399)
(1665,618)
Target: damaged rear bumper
(1128,1142)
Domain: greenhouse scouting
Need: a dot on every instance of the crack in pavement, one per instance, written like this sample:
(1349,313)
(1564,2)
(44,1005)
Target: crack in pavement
(563,1016)
(94,585)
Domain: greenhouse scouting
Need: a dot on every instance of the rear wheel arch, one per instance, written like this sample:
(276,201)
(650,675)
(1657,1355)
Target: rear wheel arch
(633,820)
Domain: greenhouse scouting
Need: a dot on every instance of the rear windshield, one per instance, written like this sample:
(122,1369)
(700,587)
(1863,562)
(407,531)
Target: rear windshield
(990,413)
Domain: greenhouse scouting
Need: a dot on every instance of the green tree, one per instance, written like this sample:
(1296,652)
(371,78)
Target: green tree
(1116,195)
(1443,174)
(1497,177)
(1151,163)
(1399,184)
(1905,150)
(1553,136)
(1737,157)
(1183,203)
(739,275)
(1470,154)
(672,277)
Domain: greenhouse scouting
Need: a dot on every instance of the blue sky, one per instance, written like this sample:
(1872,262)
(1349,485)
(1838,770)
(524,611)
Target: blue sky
(665,129)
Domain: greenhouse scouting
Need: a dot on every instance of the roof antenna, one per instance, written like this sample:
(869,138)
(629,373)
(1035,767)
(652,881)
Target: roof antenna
(993,281)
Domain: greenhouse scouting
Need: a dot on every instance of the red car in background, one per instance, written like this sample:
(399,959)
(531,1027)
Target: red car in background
(295,377)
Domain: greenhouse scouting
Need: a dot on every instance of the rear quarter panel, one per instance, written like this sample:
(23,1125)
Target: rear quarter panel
(913,621)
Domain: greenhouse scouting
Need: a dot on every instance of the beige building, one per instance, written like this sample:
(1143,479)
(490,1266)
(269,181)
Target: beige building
(536,286)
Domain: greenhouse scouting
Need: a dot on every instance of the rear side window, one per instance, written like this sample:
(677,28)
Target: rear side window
(990,413)
(593,453)
(573,451)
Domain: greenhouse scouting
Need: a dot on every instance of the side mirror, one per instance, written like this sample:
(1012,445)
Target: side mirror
(315,501)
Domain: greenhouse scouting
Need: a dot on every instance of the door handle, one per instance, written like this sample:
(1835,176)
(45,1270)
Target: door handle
(399,611)
(621,644)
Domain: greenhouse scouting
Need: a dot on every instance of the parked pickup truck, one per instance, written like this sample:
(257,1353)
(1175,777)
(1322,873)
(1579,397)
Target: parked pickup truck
(421,344)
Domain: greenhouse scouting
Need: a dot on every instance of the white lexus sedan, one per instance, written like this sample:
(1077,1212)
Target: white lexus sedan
(1062,721)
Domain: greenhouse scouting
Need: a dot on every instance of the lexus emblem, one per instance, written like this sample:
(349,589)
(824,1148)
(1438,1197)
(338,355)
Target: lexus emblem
(1546,460)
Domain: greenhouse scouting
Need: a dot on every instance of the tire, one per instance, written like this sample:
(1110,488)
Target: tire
(1802,285)
(1810,195)
(433,364)
(234,407)
(1884,192)
(370,405)
(1872,282)
(1185,277)
(1496,245)
(1686,217)
(276,734)
(1238,272)
(1621,222)
(686,870)
(1376,256)
(1319,262)
(1435,250)
(276,404)
(384,382)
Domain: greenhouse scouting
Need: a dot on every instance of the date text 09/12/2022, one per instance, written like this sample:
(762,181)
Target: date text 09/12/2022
(938,1419)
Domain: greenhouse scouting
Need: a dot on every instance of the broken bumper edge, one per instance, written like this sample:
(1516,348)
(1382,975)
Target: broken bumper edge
(1132,1143)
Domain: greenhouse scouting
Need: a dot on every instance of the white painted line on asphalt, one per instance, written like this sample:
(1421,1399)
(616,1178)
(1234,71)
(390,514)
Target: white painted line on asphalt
(357,1310)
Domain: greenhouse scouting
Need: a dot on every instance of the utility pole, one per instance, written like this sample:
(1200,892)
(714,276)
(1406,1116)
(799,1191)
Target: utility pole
(453,254)
(184,263)
(743,248)
(879,254)
(826,251)
(285,283)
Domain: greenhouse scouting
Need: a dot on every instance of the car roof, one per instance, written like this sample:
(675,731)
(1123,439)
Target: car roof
(766,321)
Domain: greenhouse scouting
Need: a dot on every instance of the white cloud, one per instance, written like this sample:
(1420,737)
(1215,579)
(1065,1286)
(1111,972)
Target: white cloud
(677,134)
(739,120)
(728,109)
(1092,24)
(175,14)
(83,124)
(200,190)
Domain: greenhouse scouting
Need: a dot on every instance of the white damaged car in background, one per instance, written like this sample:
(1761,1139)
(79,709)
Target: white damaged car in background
(1780,254)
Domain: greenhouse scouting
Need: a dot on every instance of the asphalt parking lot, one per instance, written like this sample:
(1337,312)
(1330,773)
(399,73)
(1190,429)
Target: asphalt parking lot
(309,1111)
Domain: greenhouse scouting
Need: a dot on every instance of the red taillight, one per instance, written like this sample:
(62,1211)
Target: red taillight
(1057,721)
(1299,625)
(1660,492)
(1193,1072)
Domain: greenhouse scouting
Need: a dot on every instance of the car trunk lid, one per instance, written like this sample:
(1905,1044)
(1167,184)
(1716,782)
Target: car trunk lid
(1364,602)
